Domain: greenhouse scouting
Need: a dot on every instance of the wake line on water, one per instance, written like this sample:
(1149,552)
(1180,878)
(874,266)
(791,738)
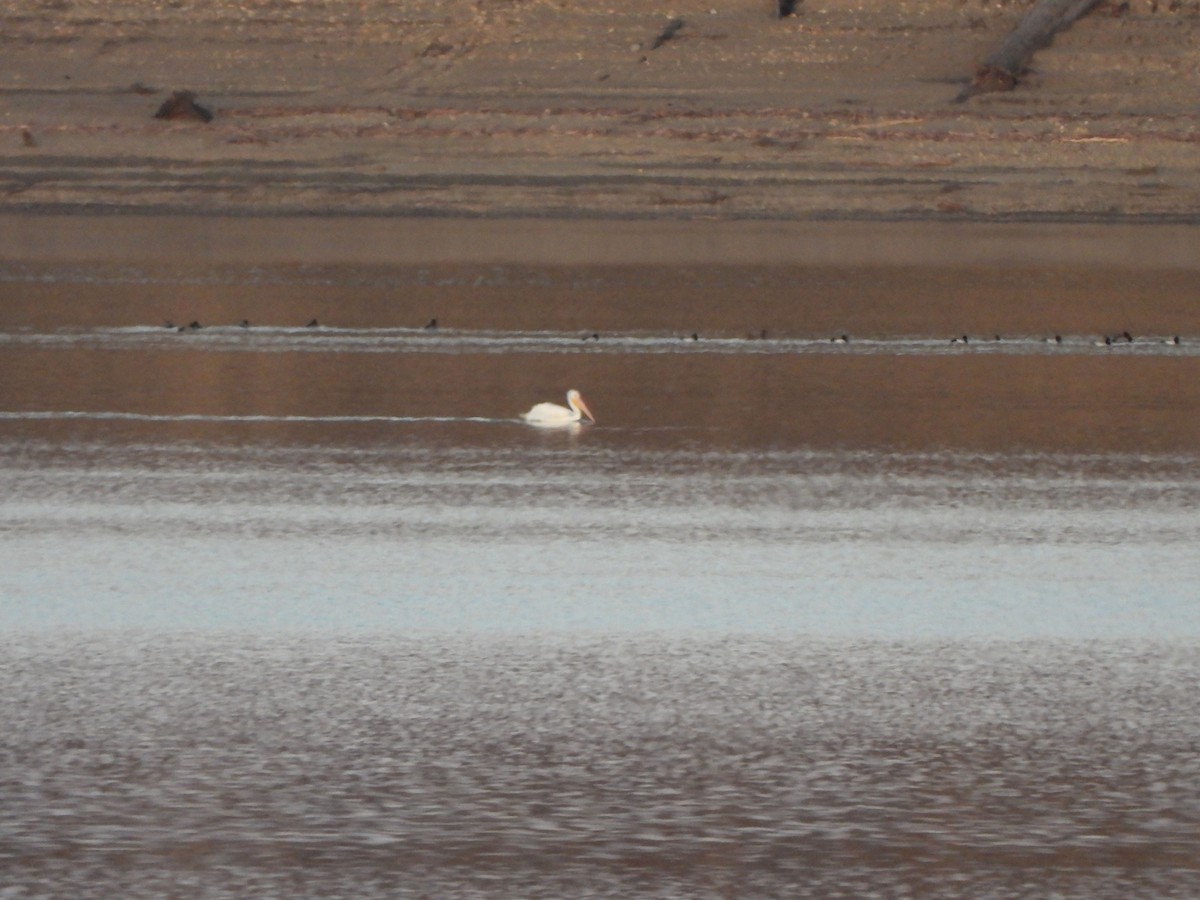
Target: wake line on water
(326,339)
(199,417)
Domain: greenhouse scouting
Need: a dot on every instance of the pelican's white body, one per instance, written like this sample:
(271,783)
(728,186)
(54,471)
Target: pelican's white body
(551,415)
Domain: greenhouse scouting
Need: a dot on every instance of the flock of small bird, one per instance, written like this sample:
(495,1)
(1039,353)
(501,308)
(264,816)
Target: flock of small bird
(1107,340)
(245,323)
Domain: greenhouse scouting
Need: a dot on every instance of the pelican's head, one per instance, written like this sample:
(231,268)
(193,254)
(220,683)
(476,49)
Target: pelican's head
(576,403)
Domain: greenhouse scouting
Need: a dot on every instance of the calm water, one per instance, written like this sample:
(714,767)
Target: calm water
(291,611)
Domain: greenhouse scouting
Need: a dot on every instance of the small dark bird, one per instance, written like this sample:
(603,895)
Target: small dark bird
(785,8)
(27,138)
(432,325)
(1128,337)
(313,324)
(245,323)
(695,336)
(194,325)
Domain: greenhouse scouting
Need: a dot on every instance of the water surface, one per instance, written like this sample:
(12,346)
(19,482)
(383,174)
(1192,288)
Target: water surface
(293,609)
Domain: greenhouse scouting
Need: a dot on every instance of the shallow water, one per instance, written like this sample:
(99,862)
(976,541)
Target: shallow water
(291,611)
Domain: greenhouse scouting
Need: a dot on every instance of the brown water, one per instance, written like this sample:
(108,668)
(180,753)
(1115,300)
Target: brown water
(292,611)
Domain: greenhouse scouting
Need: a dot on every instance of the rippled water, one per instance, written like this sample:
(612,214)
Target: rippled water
(562,533)
(571,669)
(291,611)
(151,765)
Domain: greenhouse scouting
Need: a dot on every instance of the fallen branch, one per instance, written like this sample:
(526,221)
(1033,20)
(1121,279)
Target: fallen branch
(1003,69)
(667,33)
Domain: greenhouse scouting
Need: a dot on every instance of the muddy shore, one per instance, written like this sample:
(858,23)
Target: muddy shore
(539,108)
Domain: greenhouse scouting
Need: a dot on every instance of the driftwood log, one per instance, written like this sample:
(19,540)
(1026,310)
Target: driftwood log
(1003,69)
(667,33)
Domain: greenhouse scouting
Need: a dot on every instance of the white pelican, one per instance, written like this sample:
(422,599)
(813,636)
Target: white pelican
(551,415)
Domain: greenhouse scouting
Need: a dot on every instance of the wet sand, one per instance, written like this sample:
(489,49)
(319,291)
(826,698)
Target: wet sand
(525,107)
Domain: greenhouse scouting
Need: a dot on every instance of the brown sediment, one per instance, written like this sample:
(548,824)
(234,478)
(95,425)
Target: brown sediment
(523,108)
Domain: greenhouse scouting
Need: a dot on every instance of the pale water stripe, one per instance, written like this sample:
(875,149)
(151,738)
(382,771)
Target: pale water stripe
(10,415)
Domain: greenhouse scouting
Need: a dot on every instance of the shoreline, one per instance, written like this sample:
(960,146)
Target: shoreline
(520,108)
(1031,217)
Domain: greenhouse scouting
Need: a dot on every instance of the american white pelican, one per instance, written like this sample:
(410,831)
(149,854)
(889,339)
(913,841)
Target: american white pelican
(551,415)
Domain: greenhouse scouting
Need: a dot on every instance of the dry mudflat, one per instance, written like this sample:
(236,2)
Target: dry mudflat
(565,107)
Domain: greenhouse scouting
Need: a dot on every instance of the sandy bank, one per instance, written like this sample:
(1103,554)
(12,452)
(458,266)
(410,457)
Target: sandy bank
(535,108)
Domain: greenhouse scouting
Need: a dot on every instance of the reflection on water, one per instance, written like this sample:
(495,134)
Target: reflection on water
(150,765)
(291,611)
(563,533)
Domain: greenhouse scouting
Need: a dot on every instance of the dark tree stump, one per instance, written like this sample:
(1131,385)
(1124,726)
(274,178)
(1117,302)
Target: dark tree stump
(183,105)
(1002,70)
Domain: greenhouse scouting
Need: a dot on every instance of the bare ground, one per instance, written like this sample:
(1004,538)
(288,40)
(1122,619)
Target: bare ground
(561,107)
